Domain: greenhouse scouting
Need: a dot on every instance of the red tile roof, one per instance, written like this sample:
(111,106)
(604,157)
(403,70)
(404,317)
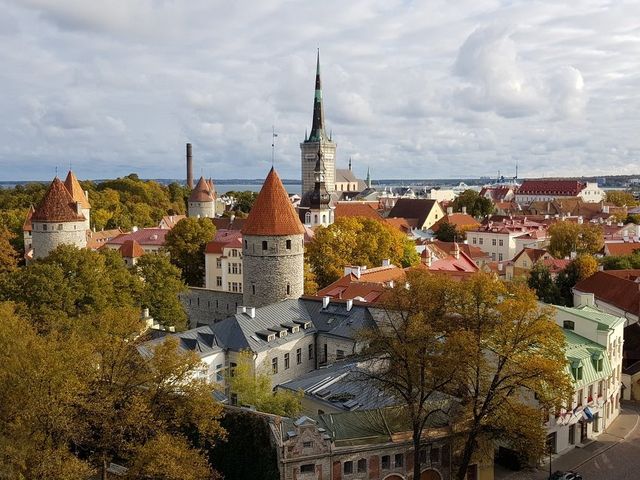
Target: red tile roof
(74,188)
(26,226)
(131,249)
(95,240)
(171,220)
(620,248)
(556,265)
(534,254)
(224,239)
(551,187)
(57,205)
(615,287)
(353,209)
(144,236)
(202,192)
(272,213)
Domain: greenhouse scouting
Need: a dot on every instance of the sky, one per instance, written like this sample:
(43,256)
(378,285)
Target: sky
(412,89)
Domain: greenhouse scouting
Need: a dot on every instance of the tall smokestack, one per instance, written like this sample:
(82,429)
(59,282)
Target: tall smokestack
(189,167)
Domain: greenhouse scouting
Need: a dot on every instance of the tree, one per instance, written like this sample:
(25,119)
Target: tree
(186,243)
(447,232)
(621,262)
(580,268)
(621,198)
(567,237)
(542,283)
(310,284)
(254,388)
(511,349)
(8,255)
(358,241)
(243,200)
(161,287)
(405,355)
(476,205)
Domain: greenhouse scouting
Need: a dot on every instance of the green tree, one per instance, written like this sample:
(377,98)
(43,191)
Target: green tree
(357,241)
(310,284)
(567,237)
(447,232)
(476,205)
(621,262)
(8,255)
(243,200)
(254,388)
(508,348)
(621,198)
(186,243)
(405,355)
(162,285)
(580,268)
(542,283)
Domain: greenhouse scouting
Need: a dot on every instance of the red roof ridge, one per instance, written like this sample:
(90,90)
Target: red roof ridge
(272,213)
(75,190)
(203,191)
(131,249)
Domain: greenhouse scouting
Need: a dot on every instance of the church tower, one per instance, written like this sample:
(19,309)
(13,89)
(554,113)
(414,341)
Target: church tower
(315,206)
(318,139)
(272,247)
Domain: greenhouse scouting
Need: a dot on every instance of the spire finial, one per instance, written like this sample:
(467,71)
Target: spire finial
(273,144)
(317,128)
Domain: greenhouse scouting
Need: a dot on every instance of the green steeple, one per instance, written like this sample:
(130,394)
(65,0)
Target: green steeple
(368,181)
(317,128)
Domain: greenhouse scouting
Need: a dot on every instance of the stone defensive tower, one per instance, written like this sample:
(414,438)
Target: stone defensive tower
(318,140)
(202,201)
(272,247)
(57,220)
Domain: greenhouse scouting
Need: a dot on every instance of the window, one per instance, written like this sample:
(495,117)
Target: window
(580,399)
(264,245)
(600,388)
(310,352)
(307,218)
(500,257)
(232,369)
(219,375)
(218,281)
(218,263)
(501,242)
(59,226)
(434,455)
(493,242)
(398,460)
(286,361)
(253,288)
(44,227)
(288,244)
(234,252)
(480,241)
(307,468)
(245,244)
(572,434)
(474,240)
(339,354)
(568,324)
(299,356)
(362,465)
(386,462)
(348,467)
(288,289)
(590,396)
(307,444)
(493,256)
(234,399)
(274,365)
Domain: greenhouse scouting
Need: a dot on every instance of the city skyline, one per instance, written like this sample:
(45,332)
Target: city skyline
(410,91)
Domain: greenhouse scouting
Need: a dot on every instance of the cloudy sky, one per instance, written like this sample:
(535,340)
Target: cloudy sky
(424,89)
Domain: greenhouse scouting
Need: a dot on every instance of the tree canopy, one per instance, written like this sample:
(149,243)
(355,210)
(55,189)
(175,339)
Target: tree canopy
(476,205)
(357,241)
(447,232)
(185,243)
(621,262)
(244,200)
(567,237)
(485,342)
(621,198)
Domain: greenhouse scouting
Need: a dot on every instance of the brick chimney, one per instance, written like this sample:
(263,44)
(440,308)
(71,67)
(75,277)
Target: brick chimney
(189,167)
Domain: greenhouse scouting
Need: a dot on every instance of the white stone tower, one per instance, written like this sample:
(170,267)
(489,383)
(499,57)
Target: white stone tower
(57,220)
(318,139)
(202,201)
(272,247)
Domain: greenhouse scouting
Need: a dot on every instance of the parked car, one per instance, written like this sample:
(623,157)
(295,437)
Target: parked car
(565,476)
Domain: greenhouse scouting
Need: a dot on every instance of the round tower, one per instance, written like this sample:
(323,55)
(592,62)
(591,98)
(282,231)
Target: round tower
(272,247)
(202,201)
(57,220)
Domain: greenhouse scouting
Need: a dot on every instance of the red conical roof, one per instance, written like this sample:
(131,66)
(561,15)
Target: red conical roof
(75,190)
(272,212)
(202,192)
(57,205)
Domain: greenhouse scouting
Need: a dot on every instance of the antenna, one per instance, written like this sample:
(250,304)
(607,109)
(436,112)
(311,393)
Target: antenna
(56,170)
(273,144)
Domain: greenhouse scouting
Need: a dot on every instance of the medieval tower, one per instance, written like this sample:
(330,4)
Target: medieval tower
(273,247)
(318,140)
(202,200)
(57,220)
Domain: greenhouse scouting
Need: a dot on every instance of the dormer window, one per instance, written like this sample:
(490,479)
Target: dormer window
(576,370)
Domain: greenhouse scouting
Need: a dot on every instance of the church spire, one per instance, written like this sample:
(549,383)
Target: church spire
(317,127)
(368,181)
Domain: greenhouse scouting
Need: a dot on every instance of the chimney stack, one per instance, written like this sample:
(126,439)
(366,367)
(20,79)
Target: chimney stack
(189,167)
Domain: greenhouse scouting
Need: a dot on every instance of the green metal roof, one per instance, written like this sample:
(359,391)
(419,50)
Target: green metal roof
(605,321)
(580,351)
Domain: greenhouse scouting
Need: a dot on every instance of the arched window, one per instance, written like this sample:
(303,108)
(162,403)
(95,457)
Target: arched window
(288,289)
(307,217)
(315,218)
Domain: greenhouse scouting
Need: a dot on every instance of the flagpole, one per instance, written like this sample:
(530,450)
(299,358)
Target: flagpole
(273,144)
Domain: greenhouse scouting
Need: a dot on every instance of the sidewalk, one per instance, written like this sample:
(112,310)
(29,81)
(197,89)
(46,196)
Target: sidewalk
(619,430)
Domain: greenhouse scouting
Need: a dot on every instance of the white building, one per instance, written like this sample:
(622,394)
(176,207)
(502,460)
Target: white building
(502,241)
(223,262)
(594,354)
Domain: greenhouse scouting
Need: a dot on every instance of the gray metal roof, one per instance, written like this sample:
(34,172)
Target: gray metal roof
(201,340)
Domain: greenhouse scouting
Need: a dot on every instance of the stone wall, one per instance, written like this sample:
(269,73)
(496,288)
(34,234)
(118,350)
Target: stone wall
(207,306)
(202,209)
(275,273)
(67,233)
